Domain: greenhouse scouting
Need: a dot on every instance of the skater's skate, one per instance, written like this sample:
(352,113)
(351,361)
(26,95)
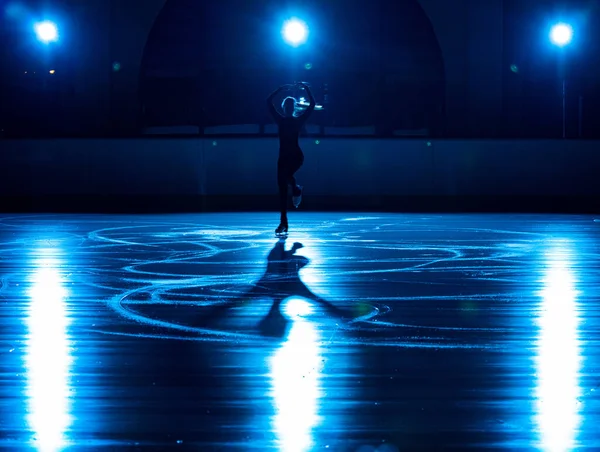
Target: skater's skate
(282,229)
(297,196)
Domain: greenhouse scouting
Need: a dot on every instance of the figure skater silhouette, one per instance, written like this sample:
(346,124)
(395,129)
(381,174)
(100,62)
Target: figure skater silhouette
(291,157)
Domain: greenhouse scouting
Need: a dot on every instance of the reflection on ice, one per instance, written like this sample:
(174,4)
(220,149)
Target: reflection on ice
(296,381)
(48,358)
(558,359)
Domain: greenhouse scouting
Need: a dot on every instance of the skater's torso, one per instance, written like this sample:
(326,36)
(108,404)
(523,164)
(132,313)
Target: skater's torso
(289,131)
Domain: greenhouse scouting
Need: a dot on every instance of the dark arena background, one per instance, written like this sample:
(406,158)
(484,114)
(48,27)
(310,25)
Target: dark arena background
(433,283)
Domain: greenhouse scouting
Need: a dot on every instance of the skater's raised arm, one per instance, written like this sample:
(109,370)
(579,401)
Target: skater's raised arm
(274,113)
(311,99)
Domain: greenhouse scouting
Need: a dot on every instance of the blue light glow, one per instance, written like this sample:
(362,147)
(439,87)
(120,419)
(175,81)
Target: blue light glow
(48,360)
(296,380)
(295,32)
(561,34)
(558,360)
(46,31)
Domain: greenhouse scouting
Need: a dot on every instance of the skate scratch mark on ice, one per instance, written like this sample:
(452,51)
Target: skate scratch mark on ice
(98,237)
(334,342)
(195,338)
(503,231)
(441,328)
(502,296)
(135,270)
(117,304)
(360,218)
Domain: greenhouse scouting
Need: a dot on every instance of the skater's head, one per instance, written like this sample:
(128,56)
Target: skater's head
(288,106)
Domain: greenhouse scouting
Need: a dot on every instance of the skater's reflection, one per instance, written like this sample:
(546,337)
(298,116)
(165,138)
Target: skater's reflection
(280,281)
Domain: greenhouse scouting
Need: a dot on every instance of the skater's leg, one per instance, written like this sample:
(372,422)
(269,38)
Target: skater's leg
(286,168)
(282,182)
(296,189)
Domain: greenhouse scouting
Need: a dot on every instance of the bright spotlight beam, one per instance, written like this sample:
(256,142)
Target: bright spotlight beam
(561,35)
(295,32)
(46,31)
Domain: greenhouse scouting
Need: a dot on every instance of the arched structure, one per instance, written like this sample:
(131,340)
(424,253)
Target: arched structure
(382,64)
(469,34)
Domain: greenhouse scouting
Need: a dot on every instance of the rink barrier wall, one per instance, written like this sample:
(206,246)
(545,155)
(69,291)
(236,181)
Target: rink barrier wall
(350,174)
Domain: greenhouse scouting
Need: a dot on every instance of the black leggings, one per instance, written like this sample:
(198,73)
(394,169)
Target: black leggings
(287,165)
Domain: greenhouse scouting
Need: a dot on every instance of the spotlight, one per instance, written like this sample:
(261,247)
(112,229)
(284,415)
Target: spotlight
(46,31)
(561,35)
(295,32)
